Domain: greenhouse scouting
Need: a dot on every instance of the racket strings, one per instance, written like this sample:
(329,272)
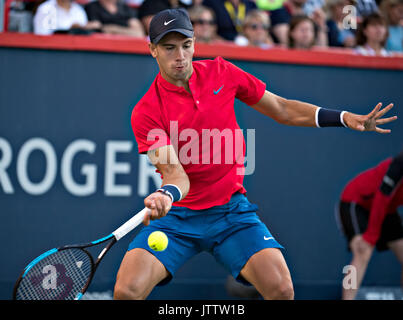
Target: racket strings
(59,276)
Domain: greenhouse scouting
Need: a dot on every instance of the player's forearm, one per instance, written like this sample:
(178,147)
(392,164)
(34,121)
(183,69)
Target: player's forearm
(298,113)
(179,179)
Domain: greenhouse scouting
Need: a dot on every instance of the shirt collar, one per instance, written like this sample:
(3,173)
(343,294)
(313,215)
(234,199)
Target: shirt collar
(171,87)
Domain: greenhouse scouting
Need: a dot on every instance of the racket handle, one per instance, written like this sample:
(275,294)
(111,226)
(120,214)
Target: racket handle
(129,225)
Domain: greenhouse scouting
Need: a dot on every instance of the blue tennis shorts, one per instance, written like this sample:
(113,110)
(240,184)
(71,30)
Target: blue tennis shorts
(232,233)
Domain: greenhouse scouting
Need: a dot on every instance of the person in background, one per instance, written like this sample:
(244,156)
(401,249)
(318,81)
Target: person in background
(149,8)
(60,16)
(392,11)
(281,18)
(365,8)
(204,24)
(303,33)
(340,35)
(372,34)
(230,15)
(367,215)
(114,17)
(256,30)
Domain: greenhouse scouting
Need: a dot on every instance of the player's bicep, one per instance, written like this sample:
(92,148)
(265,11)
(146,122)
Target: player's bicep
(272,106)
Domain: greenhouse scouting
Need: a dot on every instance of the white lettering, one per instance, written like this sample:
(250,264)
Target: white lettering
(112,168)
(89,171)
(22,166)
(146,171)
(5,161)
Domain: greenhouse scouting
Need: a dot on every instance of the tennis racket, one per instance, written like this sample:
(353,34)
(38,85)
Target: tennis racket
(65,273)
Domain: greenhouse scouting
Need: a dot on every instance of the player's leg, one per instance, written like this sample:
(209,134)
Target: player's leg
(393,236)
(361,257)
(397,248)
(139,272)
(249,251)
(352,220)
(267,271)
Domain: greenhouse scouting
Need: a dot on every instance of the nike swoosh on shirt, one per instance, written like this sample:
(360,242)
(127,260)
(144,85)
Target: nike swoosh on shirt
(168,22)
(217,91)
(267,238)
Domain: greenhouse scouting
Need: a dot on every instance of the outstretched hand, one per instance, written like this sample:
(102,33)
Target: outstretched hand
(370,121)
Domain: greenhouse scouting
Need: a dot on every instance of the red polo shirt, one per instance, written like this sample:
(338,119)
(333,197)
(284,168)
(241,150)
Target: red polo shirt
(196,123)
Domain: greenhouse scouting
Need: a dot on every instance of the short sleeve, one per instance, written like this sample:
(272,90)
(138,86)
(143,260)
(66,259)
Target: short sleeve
(148,130)
(249,88)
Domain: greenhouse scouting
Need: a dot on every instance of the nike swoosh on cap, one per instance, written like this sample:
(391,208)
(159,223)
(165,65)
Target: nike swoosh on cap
(168,22)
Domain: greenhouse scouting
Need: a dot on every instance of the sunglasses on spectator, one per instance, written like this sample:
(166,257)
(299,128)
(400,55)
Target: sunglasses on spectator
(256,26)
(202,21)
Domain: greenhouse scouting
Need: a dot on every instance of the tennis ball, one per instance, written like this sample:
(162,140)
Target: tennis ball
(158,241)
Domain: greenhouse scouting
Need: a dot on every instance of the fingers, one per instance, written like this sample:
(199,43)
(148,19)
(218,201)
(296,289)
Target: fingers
(383,111)
(159,205)
(379,130)
(385,120)
(375,110)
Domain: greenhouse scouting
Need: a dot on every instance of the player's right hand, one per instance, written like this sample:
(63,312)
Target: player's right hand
(159,205)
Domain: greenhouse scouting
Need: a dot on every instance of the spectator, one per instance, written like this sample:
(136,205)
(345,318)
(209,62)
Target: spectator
(60,16)
(371,36)
(204,24)
(302,33)
(392,11)
(256,30)
(280,20)
(114,17)
(365,8)
(230,15)
(269,5)
(339,35)
(311,6)
(149,8)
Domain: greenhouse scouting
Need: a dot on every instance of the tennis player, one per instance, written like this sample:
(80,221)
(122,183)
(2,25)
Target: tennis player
(368,216)
(202,205)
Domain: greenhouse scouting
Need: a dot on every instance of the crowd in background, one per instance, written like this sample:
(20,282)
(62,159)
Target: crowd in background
(369,27)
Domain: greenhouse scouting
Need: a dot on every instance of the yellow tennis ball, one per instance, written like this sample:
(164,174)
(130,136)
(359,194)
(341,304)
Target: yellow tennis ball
(158,241)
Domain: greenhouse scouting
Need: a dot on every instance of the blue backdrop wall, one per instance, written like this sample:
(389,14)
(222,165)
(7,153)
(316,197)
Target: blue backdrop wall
(70,172)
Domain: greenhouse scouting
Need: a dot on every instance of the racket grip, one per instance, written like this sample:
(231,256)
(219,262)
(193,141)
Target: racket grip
(129,225)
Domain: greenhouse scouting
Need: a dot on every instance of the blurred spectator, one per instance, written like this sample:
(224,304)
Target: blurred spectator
(366,7)
(114,17)
(204,24)
(302,33)
(371,36)
(256,30)
(392,11)
(60,16)
(20,16)
(149,8)
(312,5)
(269,5)
(339,34)
(230,15)
(280,20)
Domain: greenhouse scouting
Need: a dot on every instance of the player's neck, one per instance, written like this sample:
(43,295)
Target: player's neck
(179,82)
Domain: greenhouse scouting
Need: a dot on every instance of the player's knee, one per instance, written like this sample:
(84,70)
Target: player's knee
(285,291)
(129,291)
(281,290)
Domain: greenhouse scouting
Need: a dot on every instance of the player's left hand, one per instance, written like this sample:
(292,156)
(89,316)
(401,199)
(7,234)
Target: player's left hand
(370,121)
